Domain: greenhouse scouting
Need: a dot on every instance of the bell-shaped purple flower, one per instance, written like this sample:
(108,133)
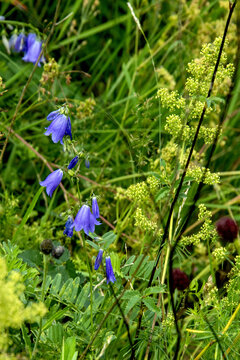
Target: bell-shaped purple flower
(95,208)
(73,163)
(85,220)
(59,127)
(33,49)
(87,163)
(98,259)
(20,44)
(52,181)
(109,270)
(69,227)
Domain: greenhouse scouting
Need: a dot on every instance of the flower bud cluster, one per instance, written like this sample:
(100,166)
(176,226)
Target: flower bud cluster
(153,184)
(207,231)
(171,99)
(220,254)
(201,174)
(143,222)
(138,192)
(50,71)
(85,108)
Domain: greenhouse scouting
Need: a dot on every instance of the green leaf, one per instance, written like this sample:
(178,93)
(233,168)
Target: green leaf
(154,290)
(150,304)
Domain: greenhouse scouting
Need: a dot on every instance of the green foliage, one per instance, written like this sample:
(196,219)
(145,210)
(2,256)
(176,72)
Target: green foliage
(135,83)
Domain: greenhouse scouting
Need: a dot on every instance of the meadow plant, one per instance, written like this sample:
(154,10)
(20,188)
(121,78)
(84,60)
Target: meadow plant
(137,255)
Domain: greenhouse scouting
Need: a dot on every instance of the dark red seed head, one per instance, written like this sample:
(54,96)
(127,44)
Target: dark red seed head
(227,229)
(180,280)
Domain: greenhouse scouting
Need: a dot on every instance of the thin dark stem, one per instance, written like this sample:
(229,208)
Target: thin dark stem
(179,189)
(123,316)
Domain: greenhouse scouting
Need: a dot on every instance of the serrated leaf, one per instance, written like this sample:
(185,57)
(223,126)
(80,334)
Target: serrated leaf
(150,304)
(131,303)
(154,290)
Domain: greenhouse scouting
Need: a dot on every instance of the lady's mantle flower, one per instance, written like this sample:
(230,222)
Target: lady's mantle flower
(69,227)
(73,163)
(52,181)
(33,49)
(85,220)
(109,270)
(60,125)
(95,208)
(98,259)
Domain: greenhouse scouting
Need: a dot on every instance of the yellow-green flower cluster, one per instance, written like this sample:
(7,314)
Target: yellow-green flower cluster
(203,68)
(175,127)
(50,71)
(171,99)
(85,108)
(219,254)
(153,183)
(202,174)
(138,192)
(169,321)
(207,134)
(207,231)
(12,310)
(143,222)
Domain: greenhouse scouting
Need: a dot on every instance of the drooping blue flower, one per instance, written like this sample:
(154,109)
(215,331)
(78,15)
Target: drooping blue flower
(33,49)
(20,44)
(59,127)
(73,163)
(98,259)
(95,208)
(69,227)
(109,270)
(87,163)
(52,181)
(85,220)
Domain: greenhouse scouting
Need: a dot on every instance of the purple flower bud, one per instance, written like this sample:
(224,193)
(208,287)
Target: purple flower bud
(59,127)
(85,220)
(227,229)
(109,270)
(98,259)
(180,280)
(52,181)
(95,208)
(73,163)
(69,227)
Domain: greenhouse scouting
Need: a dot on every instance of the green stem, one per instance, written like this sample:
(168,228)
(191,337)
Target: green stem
(90,279)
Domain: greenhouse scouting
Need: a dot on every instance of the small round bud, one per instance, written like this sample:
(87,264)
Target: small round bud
(58,251)
(227,229)
(180,280)
(46,246)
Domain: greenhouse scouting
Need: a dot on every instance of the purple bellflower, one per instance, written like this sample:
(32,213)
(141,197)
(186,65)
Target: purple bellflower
(95,208)
(109,271)
(20,43)
(87,163)
(12,41)
(33,49)
(52,181)
(98,259)
(85,220)
(69,227)
(73,163)
(60,125)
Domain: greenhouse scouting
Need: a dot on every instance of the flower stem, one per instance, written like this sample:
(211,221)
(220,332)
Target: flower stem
(45,263)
